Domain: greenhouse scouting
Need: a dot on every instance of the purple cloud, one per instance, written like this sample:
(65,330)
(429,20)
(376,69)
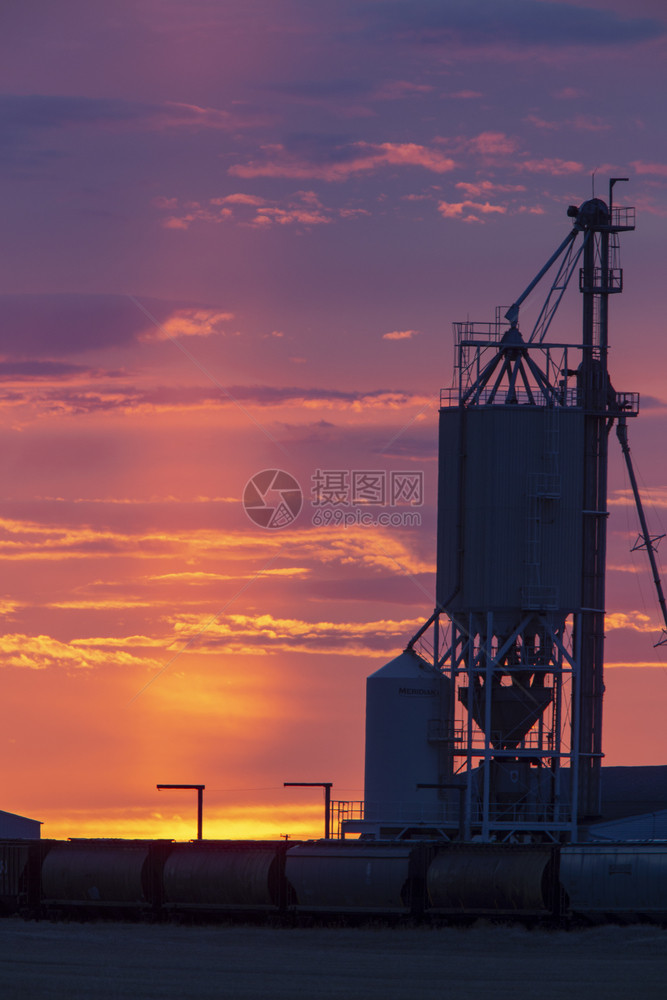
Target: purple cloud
(519,22)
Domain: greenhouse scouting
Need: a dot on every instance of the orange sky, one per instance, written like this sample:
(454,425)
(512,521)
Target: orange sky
(236,238)
(153,634)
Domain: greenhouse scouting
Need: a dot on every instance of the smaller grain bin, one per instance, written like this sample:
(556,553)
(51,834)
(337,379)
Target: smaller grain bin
(407,727)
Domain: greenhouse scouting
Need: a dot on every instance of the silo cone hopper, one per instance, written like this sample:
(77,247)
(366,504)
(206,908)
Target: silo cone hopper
(515,709)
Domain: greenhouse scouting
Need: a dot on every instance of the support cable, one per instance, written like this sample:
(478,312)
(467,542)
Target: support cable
(648,540)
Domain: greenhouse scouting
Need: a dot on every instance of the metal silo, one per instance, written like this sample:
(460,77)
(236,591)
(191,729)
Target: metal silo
(517,633)
(489,726)
(407,705)
(521,548)
(509,511)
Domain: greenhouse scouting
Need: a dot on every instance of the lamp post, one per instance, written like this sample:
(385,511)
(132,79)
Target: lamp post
(200,802)
(326,785)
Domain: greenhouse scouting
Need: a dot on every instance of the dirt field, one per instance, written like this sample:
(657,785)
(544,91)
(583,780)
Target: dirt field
(105,961)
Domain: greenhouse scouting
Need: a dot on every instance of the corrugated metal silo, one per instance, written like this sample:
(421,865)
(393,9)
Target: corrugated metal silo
(406,712)
(518,626)
(509,509)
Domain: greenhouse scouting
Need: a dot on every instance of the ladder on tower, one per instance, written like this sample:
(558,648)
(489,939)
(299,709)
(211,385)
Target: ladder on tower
(542,487)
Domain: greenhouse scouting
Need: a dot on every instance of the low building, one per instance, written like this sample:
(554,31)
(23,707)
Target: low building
(13,827)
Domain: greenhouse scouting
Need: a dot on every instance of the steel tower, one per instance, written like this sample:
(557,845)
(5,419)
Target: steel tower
(489,725)
(522,514)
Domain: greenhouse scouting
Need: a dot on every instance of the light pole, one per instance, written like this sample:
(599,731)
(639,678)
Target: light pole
(326,785)
(200,802)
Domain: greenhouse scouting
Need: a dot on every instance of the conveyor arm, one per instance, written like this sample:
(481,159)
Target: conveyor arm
(512,314)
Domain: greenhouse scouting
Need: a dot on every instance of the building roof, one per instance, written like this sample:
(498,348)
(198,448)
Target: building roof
(21,827)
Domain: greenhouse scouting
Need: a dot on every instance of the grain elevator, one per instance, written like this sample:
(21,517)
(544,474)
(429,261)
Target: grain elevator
(489,725)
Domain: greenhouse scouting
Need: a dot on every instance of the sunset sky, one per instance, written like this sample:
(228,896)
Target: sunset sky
(235,236)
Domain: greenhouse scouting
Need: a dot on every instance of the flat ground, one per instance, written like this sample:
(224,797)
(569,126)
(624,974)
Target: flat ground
(121,961)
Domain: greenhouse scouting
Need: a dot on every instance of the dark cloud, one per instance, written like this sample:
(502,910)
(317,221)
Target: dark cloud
(410,444)
(56,325)
(327,89)
(275,395)
(14,371)
(21,112)
(38,111)
(522,22)
(652,403)
(321,147)
(122,396)
(49,326)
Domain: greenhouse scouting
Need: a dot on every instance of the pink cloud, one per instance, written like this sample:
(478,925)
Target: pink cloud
(303,207)
(580,123)
(397,89)
(568,94)
(541,123)
(288,216)
(309,198)
(493,143)
(658,169)
(369,157)
(400,335)
(239,199)
(190,323)
(468,211)
(178,223)
(178,114)
(194,212)
(350,213)
(477,188)
(589,123)
(553,166)
(646,205)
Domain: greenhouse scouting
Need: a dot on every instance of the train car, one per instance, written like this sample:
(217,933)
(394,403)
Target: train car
(226,877)
(624,881)
(357,877)
(506,880)
(103,876)
(20,867)
(615,881)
